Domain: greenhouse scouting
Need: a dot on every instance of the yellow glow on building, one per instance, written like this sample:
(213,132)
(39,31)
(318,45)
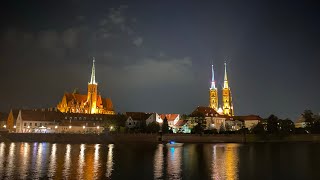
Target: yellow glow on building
(90,103)
(226,95)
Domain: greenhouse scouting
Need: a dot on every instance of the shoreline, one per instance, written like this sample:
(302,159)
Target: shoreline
(153,138)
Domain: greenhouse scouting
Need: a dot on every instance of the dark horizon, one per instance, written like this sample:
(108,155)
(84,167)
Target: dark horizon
(157,56)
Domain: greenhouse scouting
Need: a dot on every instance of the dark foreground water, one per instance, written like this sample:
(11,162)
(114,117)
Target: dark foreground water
(156,161)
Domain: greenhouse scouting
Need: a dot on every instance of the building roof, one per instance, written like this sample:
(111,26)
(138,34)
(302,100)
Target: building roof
(181,122)
(37,115)
(207,111)
(77,97)
(248,118)
(170,117)
(138,115)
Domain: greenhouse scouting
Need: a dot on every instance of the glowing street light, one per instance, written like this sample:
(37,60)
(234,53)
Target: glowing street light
(5,126)
(28,127)
(70,127)
(14,126)
(111,128)
(98,127)
(83,127)
(56,127)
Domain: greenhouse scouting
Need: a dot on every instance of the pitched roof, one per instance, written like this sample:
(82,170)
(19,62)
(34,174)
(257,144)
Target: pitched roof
(248,117)
(138,115)
(207,111)
(181,122)
(31,115)
(170,117)
(77,97)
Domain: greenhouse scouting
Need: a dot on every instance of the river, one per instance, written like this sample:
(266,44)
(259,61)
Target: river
(157,161)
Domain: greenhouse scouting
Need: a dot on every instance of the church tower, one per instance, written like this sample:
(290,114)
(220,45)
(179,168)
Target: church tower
(213,93)
(92,92)
(226,95)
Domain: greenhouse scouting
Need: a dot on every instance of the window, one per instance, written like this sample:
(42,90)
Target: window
(30,124)
(24,124)
(35,124)
(40,124)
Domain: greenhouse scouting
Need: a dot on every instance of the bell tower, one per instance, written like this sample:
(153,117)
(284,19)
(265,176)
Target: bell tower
(92,92)
(213,93)
(226,95)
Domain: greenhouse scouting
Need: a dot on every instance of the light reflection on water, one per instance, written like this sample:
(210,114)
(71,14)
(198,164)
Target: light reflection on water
(109,164)
(25,157)
(67,160)
(158,162)
(81,161)
(11,166)
(52,163)
(2,158)
(174,162)
(192,161)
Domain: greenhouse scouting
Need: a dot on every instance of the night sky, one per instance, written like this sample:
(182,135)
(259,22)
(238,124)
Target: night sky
(156,56)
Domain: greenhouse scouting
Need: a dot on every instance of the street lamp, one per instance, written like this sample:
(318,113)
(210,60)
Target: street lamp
(98,127)
(14,126)
(5,126)
(56,127)
(70,127)
(83,127)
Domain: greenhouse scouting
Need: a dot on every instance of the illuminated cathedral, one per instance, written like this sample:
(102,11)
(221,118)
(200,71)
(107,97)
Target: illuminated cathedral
(91,103)
(227,106)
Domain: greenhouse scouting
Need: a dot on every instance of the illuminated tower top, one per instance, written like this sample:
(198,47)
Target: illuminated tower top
(93,74)
(225,84)
(213,83)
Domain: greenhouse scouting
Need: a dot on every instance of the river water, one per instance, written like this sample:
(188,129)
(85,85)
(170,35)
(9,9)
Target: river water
(157,161)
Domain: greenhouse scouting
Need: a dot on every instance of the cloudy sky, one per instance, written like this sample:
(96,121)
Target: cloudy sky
(155,56)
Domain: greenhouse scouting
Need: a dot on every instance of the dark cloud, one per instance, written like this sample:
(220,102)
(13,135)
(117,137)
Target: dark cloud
(156,56)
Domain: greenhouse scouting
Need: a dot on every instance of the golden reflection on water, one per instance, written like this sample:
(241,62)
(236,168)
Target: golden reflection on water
(174,162)
(96,163)
(67,160)
(109,166)
(11,157)
(52,164)
(25,158)
(225,160)
(89,163)
(81,161)
(158,162)
(39,160)
(2,158)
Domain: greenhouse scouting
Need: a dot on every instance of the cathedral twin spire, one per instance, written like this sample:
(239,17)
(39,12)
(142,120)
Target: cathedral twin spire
(226,95)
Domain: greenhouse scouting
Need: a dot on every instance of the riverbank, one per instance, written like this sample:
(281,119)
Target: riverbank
(152,138)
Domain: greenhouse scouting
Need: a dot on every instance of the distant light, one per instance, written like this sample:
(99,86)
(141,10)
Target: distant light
(5,126)
(28,127)
(14,126)
(83,127)
(111,127)
(98,127)
(56,127)
(70,127)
